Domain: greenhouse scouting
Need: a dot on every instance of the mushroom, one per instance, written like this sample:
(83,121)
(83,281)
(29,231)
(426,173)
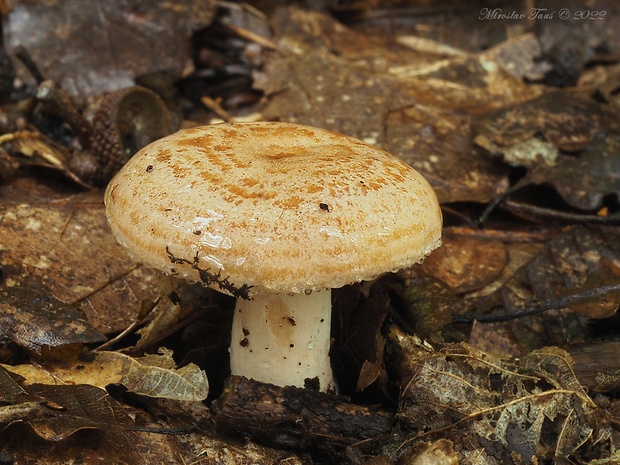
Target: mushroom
(276,215)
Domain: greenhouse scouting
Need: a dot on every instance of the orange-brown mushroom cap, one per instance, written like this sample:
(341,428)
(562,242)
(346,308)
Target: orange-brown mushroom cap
(271,207)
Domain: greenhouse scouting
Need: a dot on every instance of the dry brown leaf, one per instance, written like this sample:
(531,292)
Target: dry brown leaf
(440,452)
(57,412)
(566,140)
(72,408)
(567,273)
(10,391)
(103,46)
(585,181)
(166,313)
(95,428)
(423,116)
(466,263)
(60,243)
(519,56)
(153,376)
(93,446)
(507,407)
(430,305)
(360,343)
(42,324)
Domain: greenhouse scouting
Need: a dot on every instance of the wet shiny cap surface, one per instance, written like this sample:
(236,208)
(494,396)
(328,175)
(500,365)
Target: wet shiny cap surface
(271,207)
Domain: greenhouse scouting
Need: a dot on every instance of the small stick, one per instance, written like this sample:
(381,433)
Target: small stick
(25,57)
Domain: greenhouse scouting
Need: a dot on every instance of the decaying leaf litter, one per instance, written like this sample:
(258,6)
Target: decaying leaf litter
(499,348)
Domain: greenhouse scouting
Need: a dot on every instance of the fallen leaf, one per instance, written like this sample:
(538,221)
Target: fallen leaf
(565,139)
(85,422)
(560,282)
(430,305)
(440,452)
(56,412)
(586,180)
(92,446)
(420,114)
(10,391)
(360,315)
(153,376)
(103,46)
(40,323)
(59,241)
(466,263)
(567,272)
(74,408)
(505,406)
(568,121)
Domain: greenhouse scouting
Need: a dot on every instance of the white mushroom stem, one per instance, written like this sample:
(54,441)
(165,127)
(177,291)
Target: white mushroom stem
(283,339)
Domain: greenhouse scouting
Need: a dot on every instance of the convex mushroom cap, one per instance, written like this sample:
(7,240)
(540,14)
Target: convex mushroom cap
(251,208)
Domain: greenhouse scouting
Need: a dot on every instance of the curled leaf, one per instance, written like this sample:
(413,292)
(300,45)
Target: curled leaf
(154,376)
(511,407)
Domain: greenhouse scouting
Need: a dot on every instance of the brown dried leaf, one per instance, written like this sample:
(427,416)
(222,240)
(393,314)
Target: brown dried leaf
(437,142)
(153,376)
(440,452)
(32,148)
(73,408)
(567,273)
(360,341)
(556,367)
(519,56)
(506,407)
(10,391)
(422,115)
(545,134)
(466,263)
(166,313)
(430,306)
(17,404)
(40,323)
(584,181)
(60,242)
(542,302)
(567,121)
(96,47)
(95,447)
(600,295)
(56,412)
(100,437)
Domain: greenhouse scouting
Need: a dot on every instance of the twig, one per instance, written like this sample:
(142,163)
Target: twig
(534,309)
(500,235)
(22,54)
(567,216)
(215,107)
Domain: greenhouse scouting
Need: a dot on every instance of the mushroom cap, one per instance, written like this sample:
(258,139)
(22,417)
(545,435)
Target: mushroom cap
(271,207)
